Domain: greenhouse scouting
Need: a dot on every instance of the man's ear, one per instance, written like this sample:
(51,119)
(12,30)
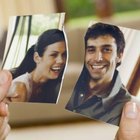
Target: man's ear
(119,57)
(37,58)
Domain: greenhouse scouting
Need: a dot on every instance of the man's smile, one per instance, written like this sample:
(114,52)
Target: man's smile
(97,66)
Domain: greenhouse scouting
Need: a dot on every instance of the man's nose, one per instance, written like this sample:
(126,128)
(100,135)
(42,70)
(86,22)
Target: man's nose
(98,56)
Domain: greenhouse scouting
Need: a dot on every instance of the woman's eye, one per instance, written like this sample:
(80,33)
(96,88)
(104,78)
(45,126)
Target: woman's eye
(54,55)
(64,55)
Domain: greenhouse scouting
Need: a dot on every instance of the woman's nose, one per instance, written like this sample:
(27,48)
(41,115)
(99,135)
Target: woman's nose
(60,59)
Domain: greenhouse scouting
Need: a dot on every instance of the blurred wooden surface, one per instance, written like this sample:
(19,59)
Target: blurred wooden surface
(74,131)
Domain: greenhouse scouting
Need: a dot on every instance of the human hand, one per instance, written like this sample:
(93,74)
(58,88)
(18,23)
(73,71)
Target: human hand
(130,123)
(17,92)
(5,81)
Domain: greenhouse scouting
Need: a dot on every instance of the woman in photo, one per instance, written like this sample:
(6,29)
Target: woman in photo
(39,76)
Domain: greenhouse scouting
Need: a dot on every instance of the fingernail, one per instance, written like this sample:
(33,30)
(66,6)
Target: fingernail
(6,109)
(3,78)
(131,110)
(6,106)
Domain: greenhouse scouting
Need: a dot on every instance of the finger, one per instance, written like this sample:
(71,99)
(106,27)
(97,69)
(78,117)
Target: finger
(5,82)
(7,100)
(4,109)
(130,123)
(5,132)
(3,124)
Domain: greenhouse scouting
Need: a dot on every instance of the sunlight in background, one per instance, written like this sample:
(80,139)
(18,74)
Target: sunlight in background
(131,53)
(138,93)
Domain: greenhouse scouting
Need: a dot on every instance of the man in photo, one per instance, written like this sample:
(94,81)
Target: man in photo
(99,92)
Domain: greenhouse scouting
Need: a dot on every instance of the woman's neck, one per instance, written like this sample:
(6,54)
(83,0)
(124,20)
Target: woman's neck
(37,78)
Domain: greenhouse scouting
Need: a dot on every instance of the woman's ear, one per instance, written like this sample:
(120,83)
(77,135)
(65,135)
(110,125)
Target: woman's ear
(37,58)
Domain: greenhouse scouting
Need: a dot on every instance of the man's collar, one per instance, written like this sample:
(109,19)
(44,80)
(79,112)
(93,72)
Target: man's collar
(114,91)
(116,85)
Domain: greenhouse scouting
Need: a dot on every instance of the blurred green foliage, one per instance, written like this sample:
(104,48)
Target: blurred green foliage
(80,8)
(40,23)
(121,16)
(125,5)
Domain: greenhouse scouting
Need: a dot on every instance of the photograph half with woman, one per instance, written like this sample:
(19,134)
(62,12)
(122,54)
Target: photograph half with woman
(39,75)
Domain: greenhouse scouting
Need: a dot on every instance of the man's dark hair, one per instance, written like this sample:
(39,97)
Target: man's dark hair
(99,29)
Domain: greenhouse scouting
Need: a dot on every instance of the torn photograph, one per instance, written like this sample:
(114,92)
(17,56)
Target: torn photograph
(110,76)
(36,55)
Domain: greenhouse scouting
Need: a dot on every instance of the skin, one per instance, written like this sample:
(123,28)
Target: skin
(130,123)
(5,81)
(101,59)
(20,93)
(48,67)
(51,63)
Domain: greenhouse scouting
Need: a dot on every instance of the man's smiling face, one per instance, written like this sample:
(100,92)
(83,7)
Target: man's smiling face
(101,57)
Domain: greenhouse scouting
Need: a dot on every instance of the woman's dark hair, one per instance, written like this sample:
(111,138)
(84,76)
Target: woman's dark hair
(46,38)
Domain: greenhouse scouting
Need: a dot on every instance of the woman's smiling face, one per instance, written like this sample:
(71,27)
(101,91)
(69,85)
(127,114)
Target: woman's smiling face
(52,62)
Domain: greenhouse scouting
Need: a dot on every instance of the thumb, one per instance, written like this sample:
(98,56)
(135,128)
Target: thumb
(5,82)
(130,123)
(4,109)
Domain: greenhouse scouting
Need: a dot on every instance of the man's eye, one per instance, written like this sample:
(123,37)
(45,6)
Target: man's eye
(90,50)
(107,50)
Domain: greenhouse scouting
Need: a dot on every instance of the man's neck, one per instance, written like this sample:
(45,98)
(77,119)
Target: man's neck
(99,87)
